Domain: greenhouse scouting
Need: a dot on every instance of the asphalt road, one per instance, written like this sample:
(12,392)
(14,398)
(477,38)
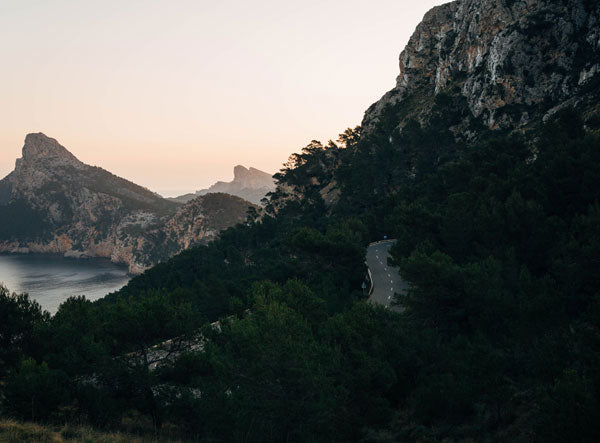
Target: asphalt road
(386,280)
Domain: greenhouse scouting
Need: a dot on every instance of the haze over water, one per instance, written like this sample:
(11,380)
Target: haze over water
(51,279)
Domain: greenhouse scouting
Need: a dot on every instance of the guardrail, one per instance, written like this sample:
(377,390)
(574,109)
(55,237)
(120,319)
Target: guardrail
(370,280)
(372,286)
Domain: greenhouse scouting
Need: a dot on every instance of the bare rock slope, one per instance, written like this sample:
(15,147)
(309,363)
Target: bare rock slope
(511,62)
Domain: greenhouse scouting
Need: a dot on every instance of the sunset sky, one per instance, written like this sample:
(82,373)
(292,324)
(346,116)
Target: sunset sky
(173,94)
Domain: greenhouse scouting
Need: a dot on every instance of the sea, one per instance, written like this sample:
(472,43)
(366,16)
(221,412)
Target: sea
(51,279)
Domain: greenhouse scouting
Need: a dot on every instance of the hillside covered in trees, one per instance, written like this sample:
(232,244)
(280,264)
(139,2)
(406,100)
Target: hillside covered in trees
(265,334)
(499,338)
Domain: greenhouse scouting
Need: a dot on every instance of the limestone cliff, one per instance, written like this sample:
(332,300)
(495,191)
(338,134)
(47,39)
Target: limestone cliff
(512,62)
(197,221)
(471,69)
(54,203)
(248,183)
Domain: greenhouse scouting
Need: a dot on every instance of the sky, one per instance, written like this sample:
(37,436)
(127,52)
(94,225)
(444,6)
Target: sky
(172,94)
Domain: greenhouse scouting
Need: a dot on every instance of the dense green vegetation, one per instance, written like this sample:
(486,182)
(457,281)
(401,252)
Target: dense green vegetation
(18,220)
(500,340)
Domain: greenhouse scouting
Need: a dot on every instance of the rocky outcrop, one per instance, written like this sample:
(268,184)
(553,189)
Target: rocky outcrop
(472,67)
(54,203)
(250,184)
(511,61)
(202,218)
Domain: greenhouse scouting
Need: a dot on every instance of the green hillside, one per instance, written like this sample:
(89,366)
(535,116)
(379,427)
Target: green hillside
(482,162)
(499,339)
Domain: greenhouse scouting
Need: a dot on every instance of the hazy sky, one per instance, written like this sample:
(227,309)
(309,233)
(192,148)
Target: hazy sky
(173,94)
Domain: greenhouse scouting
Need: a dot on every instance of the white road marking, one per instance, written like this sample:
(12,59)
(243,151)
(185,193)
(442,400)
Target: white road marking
(391,289)
(377,256)
(389,275)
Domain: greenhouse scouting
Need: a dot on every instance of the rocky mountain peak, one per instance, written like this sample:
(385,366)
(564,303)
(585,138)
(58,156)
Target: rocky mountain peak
(510,61)
(54,203)
(255,171)
(39,146)
(240,172)
(250,184)
(251,177)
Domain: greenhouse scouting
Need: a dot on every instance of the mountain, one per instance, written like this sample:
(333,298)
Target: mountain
(54,203)
(248,183)
(266,332)
(504,64)
(483,163)
(473,69)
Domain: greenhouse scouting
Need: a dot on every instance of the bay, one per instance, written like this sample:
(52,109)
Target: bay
(51,279)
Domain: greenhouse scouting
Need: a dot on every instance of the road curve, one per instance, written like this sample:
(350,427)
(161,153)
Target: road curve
(386,279)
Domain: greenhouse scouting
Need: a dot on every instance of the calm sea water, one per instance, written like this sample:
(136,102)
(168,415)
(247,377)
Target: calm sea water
(52,279)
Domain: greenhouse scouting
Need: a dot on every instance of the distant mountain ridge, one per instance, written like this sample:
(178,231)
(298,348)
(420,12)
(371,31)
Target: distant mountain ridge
(248,183)
(54,203)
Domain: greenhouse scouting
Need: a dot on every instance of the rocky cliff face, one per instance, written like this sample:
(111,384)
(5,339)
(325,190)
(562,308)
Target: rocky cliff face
(471,68)
(203,218)
(512,62)
(248,183)
(53,203)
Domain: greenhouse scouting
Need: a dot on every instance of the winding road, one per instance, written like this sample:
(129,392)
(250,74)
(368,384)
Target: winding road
(386,280)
